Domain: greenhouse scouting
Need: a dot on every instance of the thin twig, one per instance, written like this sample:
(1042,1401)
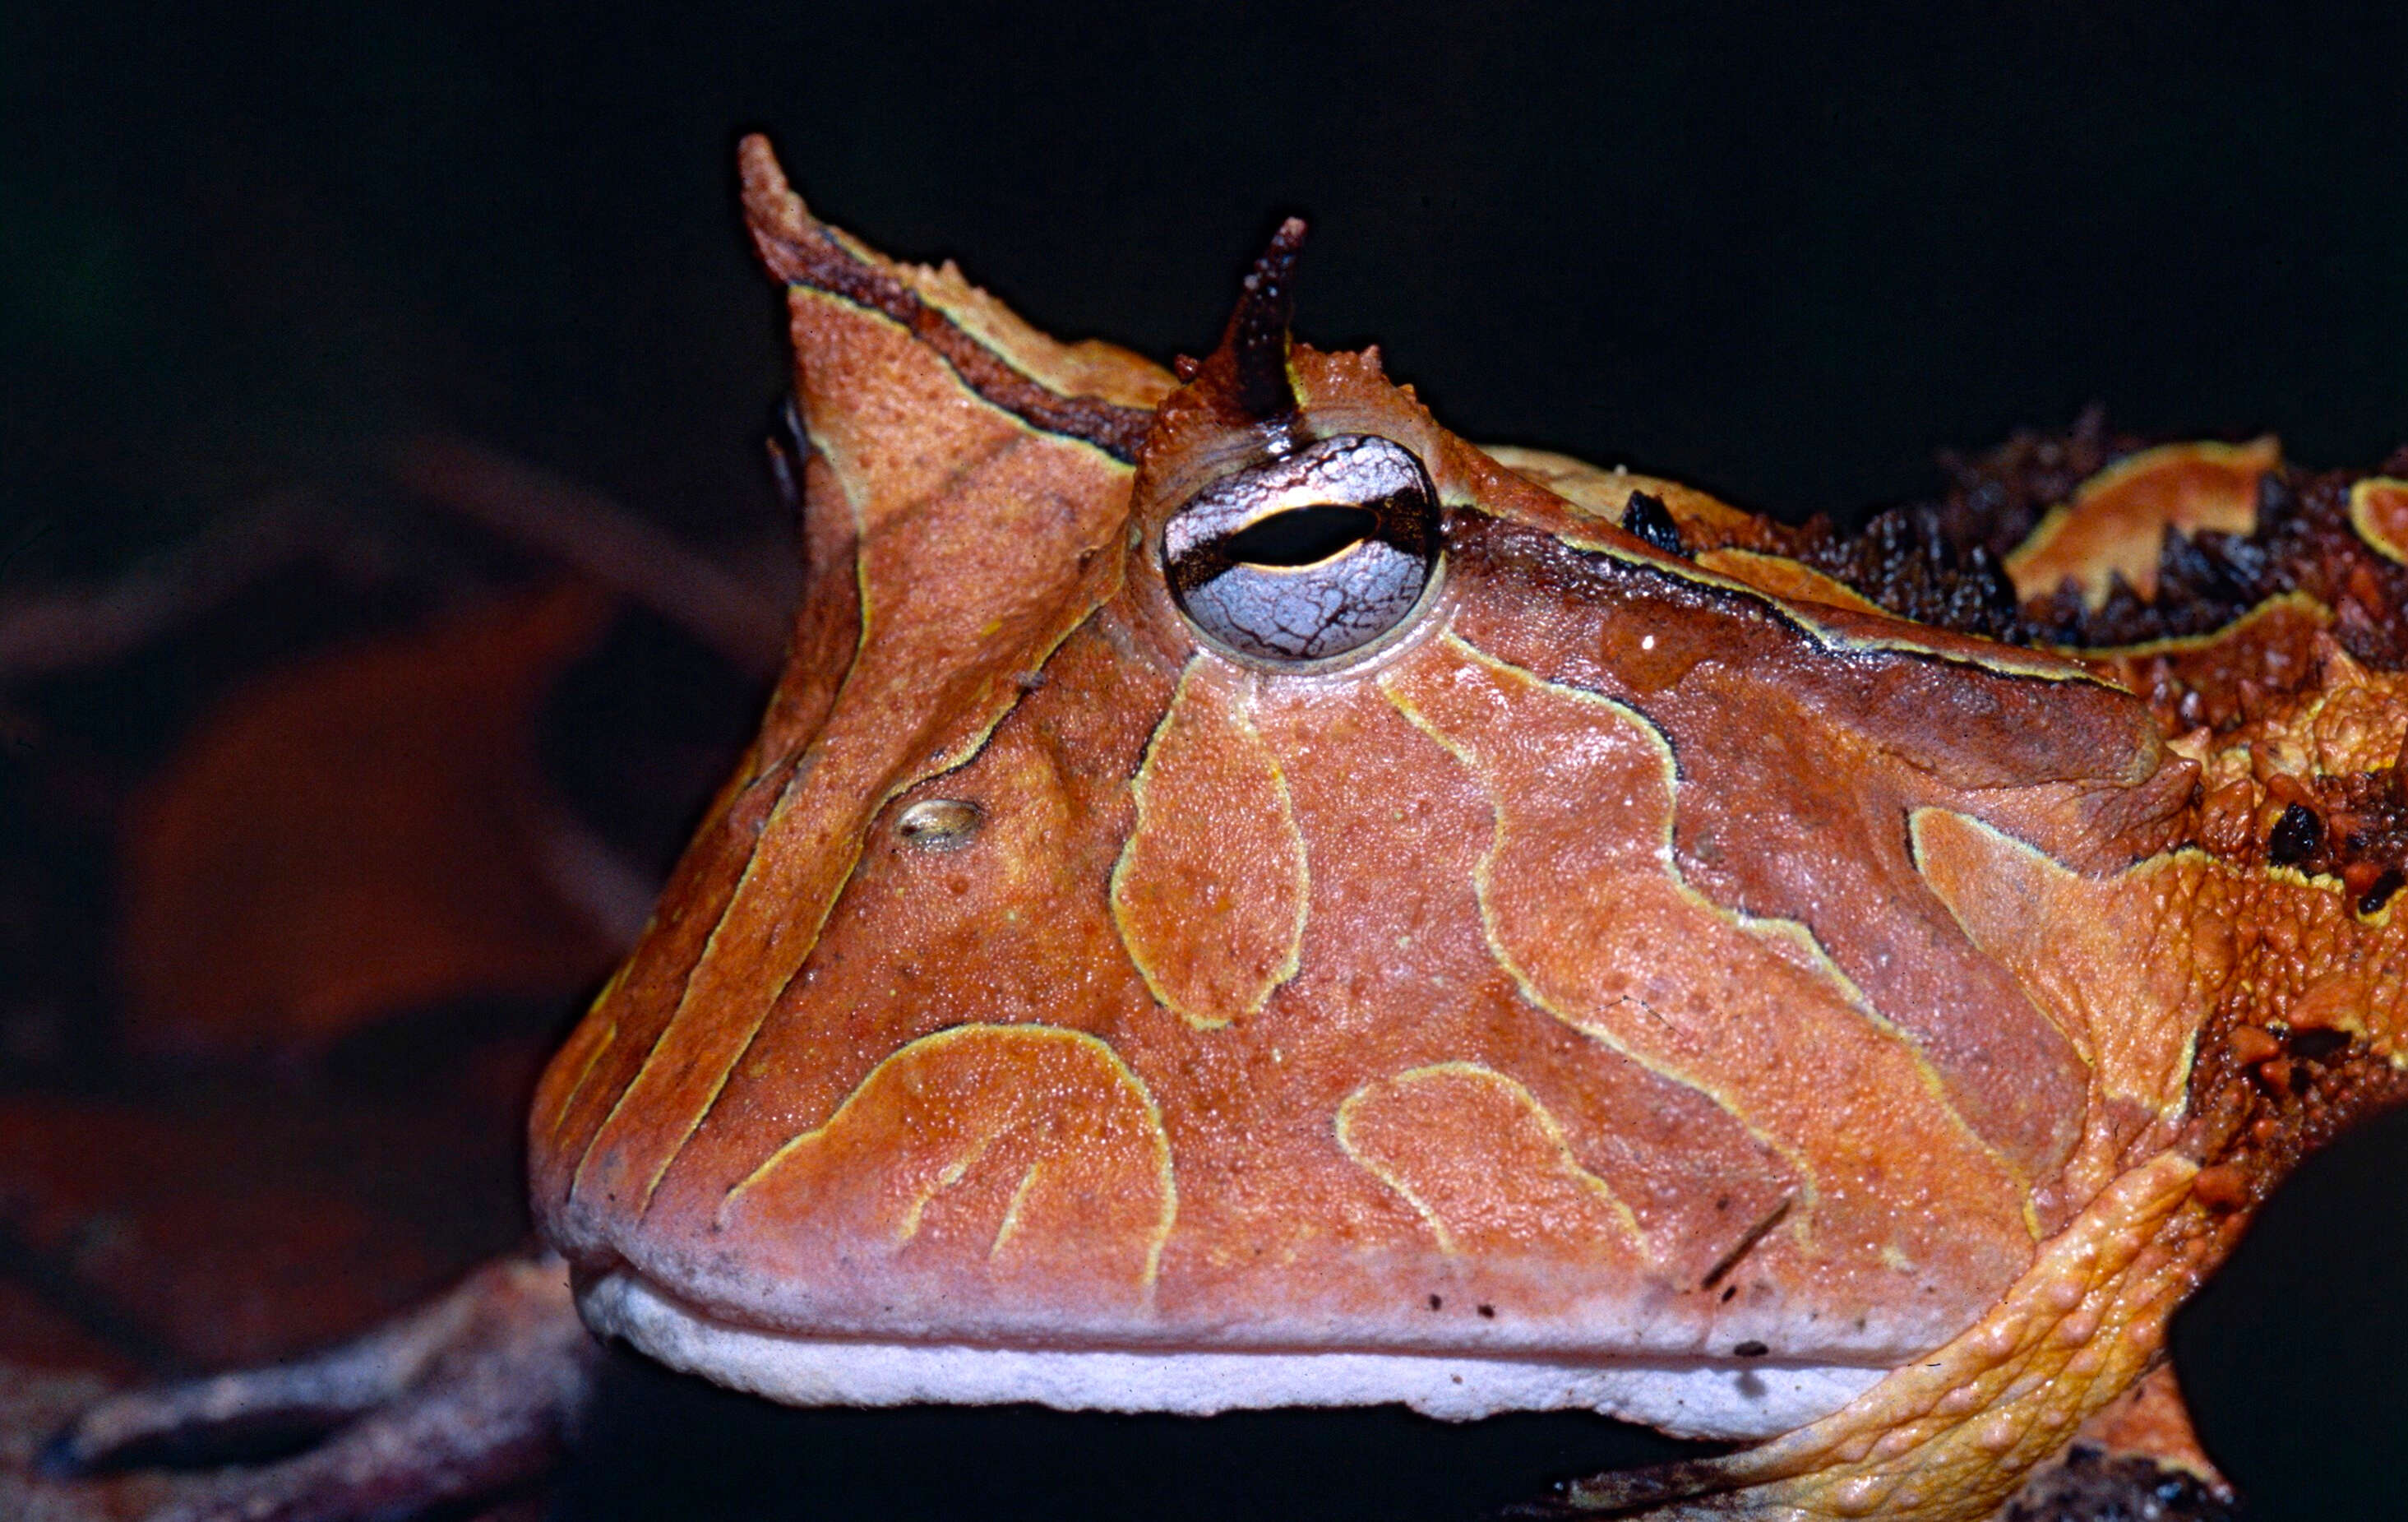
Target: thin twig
(46,633)
(742,622)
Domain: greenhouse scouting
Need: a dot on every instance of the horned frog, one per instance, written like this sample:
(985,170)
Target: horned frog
(1242,898)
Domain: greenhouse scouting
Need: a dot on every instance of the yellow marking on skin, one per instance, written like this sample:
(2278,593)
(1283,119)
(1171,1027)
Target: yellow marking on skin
(1294,960)
(2287,875)
(1169,1195)
(2364,507)
(602,1043)
(1519,1096)
(1806,944)
(1011,1225)
(1799,937)
(2305,604)
(802,766)
(2291,877)
(2262,454)
(671,1033)
(947,1177)
(918,1050)
(2069,942)
(875,314)
(1605,494)
(1772,929)
(1146,958)
(1482,883)
(1090,367)
(1129,849)
(585,1071)
(1394,1182)
(2006,660)
(927,1046)
(1789,580)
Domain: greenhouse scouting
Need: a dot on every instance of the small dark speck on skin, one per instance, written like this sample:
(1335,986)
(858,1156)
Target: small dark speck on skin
(2295,837)
(1750,1349)
(1729,1290)
(2315,1044)
(1488,1311)
(1437,1303)
(2380,895)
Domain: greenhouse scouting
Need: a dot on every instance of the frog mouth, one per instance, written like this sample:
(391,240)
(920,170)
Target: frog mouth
(1759,1397)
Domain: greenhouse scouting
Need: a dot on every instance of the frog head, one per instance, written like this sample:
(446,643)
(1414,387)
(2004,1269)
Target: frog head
(1242,898)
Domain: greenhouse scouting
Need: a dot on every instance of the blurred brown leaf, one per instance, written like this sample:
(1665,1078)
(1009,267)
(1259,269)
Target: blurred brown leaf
(366,832)
(741,616)
(248,1224)
(36,1334)
(204,1227)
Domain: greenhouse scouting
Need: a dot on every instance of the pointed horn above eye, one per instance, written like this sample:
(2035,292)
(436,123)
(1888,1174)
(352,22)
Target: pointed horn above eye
(1254,344)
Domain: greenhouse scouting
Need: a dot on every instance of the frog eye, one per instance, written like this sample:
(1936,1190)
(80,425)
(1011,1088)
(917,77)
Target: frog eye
(1307,556)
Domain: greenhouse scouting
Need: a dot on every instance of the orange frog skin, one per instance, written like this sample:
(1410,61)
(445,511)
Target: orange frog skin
(1242,897)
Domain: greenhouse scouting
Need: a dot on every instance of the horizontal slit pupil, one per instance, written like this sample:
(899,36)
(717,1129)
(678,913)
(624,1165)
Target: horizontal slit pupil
(1301,536)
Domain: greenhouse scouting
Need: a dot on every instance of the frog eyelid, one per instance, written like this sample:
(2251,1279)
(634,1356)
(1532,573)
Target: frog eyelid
(1307,556)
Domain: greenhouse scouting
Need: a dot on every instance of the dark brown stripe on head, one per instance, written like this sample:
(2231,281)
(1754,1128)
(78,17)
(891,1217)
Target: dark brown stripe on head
(802,252)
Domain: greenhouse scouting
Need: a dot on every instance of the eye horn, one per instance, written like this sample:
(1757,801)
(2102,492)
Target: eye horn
(1308,556)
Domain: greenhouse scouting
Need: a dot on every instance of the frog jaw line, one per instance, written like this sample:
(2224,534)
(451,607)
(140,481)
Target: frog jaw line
(1703,1398)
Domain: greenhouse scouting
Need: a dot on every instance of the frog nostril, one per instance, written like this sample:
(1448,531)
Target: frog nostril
(938,824)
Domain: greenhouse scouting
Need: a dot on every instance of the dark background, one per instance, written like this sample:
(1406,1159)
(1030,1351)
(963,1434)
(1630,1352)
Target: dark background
(1784,259)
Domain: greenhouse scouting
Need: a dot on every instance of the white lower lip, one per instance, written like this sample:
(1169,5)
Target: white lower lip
(1728,1400)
